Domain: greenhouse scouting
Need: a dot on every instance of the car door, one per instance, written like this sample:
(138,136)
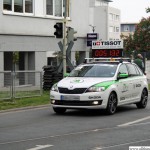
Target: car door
(136,76)
(124,86)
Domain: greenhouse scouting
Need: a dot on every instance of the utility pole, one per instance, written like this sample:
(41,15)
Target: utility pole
(64,38)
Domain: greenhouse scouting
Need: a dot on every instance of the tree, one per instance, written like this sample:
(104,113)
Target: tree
(129,46)
(140,40)
(148,10)
(15,59)
(142,35)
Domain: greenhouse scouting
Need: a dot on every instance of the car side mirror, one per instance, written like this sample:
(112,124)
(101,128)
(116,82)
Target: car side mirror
(122,75)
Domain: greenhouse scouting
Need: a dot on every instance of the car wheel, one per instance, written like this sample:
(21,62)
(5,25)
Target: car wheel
(112,104)
(59,110)
(144,99)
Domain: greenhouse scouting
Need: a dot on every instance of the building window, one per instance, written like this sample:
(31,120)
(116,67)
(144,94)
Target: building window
(49,7)
(117,29)
(28,6)
(18,6)
(126,28)
(56,8)
(7,5)
(101,3)
(110,16)
(117,17)
(111,29)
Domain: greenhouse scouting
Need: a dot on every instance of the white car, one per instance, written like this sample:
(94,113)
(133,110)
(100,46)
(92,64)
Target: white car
(101,85)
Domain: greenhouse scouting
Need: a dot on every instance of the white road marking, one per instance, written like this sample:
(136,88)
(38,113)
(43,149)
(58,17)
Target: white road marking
(40,147)
(133,122)
(73,133)
(123,144)
(57,136)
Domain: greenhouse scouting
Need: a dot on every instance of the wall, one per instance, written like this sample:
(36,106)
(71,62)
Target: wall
(100,21)
(80,17)
(36,33)
(27,43)
(40,24)
(116,23)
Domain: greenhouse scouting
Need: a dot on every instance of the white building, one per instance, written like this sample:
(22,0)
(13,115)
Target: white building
(27,27)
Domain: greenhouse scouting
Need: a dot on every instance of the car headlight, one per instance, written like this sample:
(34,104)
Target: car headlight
(95,89)
(54,88)
(100,86)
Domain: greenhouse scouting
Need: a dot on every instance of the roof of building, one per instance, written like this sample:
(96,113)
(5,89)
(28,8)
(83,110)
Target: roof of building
(129,23)
(108,0)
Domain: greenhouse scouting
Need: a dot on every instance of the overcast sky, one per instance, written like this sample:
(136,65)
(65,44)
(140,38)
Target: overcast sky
(131,10)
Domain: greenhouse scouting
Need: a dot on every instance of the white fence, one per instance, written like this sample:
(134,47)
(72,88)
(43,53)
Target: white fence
(20,84)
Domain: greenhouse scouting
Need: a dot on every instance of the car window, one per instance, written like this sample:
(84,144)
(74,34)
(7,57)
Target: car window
(132,70)
(123,69)
(139,72)
(94,70)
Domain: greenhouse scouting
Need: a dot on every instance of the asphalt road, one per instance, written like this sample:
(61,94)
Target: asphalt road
(42,129)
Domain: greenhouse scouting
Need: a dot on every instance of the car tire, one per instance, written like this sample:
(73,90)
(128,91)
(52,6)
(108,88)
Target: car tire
(112,104)
(144,99)
(59,110)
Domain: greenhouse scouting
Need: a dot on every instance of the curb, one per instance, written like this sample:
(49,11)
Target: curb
(31,107)
(25,108)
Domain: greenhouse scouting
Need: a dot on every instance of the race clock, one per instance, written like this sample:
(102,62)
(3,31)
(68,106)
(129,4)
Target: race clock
(97,53)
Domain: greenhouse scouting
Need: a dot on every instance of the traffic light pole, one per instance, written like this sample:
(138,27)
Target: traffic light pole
(64,38)
(64,49)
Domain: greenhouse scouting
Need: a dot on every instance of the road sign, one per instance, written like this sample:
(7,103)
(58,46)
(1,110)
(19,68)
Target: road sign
(91,37)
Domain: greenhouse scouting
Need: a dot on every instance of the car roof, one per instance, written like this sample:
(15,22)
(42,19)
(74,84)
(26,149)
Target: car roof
(108,63)
(107,60)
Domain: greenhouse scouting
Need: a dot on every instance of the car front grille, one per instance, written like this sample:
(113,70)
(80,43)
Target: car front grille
(74,91)
(76,103)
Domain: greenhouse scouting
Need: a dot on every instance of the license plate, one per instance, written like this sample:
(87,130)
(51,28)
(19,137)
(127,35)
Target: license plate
(70,97)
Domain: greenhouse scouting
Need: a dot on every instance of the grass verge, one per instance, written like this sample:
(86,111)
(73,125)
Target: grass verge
(25,102)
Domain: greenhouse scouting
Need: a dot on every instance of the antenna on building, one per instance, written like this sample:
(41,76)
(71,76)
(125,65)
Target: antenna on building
(93,28)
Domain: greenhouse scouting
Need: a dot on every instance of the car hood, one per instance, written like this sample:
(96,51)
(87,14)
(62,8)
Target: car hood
(78,82)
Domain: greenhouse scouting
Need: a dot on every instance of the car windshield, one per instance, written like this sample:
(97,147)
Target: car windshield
(94,70)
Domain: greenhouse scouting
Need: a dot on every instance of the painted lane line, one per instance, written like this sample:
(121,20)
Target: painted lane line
(57,136)
(123,144)
(73,133)
(133,122)
(38,147)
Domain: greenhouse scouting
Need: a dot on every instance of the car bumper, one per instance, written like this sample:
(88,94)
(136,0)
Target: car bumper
(92,100)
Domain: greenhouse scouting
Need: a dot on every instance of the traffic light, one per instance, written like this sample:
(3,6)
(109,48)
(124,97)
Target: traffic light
(59,30)
(70,35)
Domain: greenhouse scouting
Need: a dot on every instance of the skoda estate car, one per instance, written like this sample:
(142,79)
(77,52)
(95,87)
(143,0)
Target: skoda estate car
(96,85)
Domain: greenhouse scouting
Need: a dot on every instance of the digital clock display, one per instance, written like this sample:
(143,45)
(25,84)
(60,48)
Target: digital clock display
(96,53)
